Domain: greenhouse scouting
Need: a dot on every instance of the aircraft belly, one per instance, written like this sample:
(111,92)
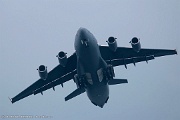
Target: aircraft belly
(90,59)
(98,93)
(90,64)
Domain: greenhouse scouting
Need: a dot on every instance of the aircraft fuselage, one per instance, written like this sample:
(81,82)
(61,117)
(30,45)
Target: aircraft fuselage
(91,64)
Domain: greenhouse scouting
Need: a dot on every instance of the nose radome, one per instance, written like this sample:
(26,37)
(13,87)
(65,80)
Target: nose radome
(82,31)
(81,28)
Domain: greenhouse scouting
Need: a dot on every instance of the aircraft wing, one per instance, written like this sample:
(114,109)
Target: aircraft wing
(124,55)
(56,76)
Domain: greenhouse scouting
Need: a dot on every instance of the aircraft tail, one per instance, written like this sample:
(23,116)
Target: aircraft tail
(75,93)
(117,81)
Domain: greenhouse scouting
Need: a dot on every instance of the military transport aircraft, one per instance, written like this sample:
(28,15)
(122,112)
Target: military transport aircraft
(91,67)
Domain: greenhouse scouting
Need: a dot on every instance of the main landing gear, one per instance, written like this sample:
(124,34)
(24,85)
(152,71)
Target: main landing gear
(80,81)
(109,73)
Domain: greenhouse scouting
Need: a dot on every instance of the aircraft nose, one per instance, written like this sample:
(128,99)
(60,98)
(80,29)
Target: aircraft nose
(82,32)
(82,36)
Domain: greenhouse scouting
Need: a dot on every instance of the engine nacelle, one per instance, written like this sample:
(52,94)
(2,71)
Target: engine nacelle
(42,72)
(112,43)
(135,43)
(62,57)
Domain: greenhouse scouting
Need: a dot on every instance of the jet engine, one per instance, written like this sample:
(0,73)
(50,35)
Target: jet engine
(42,72)
(135,43)
(112,43)
(62,57)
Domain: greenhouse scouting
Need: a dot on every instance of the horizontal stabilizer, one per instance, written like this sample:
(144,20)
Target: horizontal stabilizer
(117,81)
(75,93)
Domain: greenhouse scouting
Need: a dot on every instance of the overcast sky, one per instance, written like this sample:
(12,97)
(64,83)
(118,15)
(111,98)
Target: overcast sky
(32,32)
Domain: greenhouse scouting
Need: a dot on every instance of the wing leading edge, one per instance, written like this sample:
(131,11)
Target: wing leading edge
(60,75)
(56,76)
(124,55)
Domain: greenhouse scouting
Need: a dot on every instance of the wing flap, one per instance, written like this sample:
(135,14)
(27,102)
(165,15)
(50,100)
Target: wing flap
(124,55)
(56,82)
(125,61)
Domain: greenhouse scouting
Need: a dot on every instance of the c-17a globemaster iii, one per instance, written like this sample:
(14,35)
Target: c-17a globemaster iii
(91,67)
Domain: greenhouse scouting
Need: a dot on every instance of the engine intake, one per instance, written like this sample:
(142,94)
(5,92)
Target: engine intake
(62,57)
(112,43)
(135,43)
(42,72)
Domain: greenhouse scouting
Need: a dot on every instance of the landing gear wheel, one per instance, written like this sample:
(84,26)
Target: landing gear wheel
(109,73)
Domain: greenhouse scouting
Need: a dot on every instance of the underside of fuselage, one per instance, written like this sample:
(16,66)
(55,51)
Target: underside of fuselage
(91,64)
(98,94)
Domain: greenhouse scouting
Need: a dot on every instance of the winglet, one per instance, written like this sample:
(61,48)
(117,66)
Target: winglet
(10,100)
(176,51)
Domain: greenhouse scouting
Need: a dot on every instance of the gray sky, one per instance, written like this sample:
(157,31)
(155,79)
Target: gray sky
(32,32)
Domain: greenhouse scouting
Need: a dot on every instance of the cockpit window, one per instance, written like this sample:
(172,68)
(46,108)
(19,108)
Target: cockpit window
(84,42)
